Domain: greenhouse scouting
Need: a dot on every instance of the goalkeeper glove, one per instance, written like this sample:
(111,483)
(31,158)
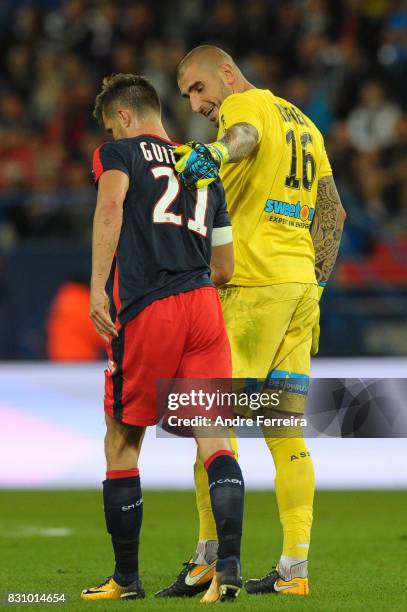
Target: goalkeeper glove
(316,329)
(199,164)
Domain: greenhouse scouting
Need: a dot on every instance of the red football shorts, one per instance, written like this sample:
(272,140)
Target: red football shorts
(181,336)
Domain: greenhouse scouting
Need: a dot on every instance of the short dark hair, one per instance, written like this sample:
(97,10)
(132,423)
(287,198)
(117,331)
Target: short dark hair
(134,91)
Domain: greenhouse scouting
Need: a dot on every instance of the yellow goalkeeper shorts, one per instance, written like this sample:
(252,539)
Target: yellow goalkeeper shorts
(270,330)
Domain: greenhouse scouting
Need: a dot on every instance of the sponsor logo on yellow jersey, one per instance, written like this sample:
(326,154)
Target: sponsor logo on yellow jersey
(286,209)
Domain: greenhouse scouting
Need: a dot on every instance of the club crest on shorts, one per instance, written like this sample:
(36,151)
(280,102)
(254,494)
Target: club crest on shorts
(111,366)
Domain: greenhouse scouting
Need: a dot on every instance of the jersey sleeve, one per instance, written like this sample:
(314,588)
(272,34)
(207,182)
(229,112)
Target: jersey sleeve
(222,227)
(240,108)
(109,156)
(324,166)
(221,218)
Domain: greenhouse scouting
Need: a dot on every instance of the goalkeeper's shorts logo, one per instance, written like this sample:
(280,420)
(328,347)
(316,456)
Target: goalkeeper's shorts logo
(296,211)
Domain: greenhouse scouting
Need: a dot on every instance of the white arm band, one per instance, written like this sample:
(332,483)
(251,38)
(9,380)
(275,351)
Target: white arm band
(221,235)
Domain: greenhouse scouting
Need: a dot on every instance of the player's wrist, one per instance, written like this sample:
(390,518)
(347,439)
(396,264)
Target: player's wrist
(97,286)
(219,152)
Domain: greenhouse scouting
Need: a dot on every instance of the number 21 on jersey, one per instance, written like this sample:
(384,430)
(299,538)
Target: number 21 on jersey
(162,213)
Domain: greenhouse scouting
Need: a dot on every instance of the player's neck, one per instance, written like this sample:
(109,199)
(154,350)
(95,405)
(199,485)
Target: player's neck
(242,85)
(149,127)
(246,85)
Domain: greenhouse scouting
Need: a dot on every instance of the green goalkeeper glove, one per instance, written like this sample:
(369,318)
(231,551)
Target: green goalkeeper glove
(316,329)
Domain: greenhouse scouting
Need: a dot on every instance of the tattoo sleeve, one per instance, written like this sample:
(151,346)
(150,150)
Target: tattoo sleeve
(240,140)
(326,229)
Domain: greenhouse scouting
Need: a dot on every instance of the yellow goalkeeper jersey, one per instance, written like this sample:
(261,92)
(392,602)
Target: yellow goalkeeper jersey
(271,194)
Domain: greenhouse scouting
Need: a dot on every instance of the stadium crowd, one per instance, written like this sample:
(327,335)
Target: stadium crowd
(341,61)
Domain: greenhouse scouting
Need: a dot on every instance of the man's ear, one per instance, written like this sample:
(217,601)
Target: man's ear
(125,117)
(228,73)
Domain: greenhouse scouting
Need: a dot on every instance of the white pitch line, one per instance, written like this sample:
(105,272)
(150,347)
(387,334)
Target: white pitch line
(27,531)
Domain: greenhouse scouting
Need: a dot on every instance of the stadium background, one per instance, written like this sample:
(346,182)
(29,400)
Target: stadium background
(343,63)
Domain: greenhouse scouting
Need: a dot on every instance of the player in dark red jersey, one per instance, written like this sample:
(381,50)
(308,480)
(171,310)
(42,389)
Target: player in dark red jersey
(163,250)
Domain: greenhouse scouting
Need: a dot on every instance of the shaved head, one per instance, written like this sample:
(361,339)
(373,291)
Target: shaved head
(205,55)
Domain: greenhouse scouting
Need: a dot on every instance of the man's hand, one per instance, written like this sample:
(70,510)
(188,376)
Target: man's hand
(199,164)
(99,313)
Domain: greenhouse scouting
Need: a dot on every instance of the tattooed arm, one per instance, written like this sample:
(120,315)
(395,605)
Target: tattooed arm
(199,164)
(327,227)
(240,140)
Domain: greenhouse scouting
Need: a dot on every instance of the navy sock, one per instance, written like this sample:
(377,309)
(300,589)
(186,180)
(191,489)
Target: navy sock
(123,504)
(226,488)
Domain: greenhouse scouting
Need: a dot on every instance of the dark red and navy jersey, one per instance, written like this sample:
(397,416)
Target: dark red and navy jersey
(165,241)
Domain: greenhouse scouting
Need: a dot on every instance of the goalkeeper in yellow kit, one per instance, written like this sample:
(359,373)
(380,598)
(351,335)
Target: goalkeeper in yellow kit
(287,222)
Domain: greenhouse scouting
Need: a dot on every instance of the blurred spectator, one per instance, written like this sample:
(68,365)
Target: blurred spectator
(372,123)
(19,69)
(139,24)
(222,28)
(67,28)
(316,17)
(349,67)
(47,88)
(16,161)
(124,59)
(257,27)
(311,100)
(381,177)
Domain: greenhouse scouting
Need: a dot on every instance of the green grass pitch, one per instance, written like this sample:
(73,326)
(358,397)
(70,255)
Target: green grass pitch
(357,561)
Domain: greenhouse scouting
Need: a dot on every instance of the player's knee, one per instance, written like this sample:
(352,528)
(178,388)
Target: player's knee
(119,453)
(122,445)
(111,447)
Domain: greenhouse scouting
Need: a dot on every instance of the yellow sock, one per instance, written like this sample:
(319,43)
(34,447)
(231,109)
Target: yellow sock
(295,484)
(207,526)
